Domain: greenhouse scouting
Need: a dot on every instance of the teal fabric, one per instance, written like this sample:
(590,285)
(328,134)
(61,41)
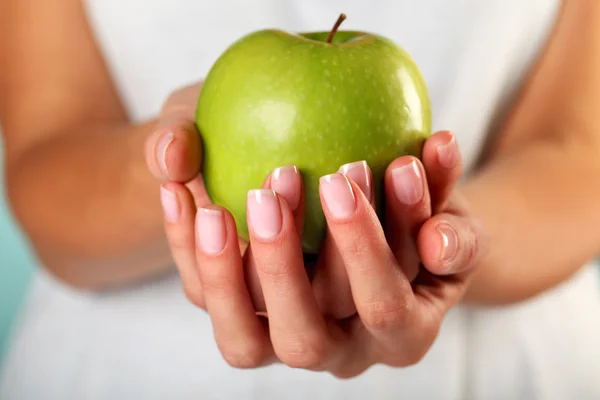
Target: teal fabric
(16,266)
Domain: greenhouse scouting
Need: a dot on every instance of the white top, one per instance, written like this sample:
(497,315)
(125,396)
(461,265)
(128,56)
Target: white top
(149,343)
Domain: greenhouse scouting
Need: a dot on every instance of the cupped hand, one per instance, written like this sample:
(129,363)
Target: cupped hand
(402,280)
(174,156)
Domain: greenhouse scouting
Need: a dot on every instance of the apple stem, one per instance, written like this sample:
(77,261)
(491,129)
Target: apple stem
(341,19)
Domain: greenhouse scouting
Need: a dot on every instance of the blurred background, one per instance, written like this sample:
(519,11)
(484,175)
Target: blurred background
(16,264)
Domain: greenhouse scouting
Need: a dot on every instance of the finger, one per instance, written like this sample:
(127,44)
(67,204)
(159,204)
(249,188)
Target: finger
(238,331)
(381,291)
(450,244)
(287,183)
(182,102)
(331,284)
(179,214)
(198,191)
(298,331)
(360,173)
(408,206)
(443,163)
(174,150)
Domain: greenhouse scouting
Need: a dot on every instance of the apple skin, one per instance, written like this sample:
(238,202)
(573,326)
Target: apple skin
(275,98)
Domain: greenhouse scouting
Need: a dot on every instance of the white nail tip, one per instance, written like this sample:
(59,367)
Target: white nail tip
(210,211)
(344,169)
(259,193)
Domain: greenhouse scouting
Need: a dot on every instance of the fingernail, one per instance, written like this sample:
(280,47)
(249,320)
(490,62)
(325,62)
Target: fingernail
(449,242)
(211,233)
(446,153)
(408,185)
(286,182)
(264,213)
(161,152)
(360,173)
(338,195)
(170,204)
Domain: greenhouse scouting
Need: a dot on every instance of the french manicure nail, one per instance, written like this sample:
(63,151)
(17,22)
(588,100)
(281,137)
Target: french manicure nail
(211,233)
(264,213)
(408,184)
(170,204)
(449,242)
(446,154)
(360,173)
(287,183)
(161,152)
(338,195)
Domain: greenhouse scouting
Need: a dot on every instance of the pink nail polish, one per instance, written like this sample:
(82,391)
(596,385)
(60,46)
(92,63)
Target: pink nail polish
(449,242)
(360,173)
(264,213)
(446,154)
(161,152)
(408,183)
(170,204)
(338,196)
(211,233)
(286,182)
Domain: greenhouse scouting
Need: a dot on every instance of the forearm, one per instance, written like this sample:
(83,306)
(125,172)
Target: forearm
(539,207)
(90,206)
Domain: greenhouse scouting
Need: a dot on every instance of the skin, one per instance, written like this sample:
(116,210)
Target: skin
(538,178)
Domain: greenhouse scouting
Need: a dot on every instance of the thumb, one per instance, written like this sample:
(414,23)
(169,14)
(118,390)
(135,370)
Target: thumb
(174,150)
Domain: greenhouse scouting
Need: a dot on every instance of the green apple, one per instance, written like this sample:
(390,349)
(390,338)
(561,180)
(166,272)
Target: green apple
(275,98)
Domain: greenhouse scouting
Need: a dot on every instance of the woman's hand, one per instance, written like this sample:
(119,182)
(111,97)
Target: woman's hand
(173,154)
(396,321)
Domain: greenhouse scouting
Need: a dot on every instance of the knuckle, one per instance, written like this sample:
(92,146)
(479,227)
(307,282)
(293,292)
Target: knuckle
(386,315)
(176,104)
(215,283)
(179,240)
(409,358)
(248,355)
(273,268)
(350,372)
(415,356)
(423,338)
(194,296)
(356,246)
(304,351)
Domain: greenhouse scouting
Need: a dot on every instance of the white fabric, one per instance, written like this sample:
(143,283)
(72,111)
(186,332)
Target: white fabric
(149,343)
